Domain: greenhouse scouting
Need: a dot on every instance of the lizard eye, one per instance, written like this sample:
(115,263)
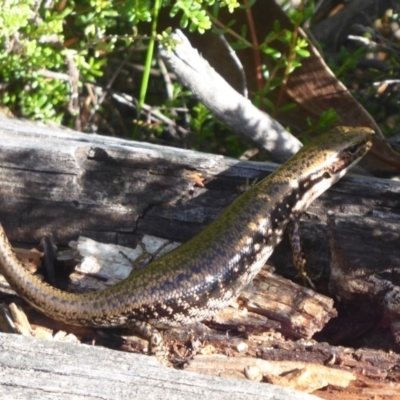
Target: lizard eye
(353,149)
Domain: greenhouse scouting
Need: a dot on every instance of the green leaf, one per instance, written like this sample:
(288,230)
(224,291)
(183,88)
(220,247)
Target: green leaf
(287,107)
(302,52)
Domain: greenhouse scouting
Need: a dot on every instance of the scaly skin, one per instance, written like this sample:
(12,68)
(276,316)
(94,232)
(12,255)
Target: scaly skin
(203,275)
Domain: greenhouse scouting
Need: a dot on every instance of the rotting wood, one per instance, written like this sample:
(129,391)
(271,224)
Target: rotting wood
(358,377)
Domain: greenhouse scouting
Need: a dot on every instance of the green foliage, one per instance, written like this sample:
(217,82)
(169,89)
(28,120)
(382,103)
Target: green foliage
(12,19)
(298,15)
(194,16)
(283,63)
(326,119)
(32,42)
(211,135)
(38,45)
(349,61)
(149,55)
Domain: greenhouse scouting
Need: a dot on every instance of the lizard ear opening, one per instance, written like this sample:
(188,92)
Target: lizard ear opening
(326,175)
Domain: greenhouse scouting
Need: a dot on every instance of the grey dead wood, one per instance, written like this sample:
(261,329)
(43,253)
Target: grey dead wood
(37,369)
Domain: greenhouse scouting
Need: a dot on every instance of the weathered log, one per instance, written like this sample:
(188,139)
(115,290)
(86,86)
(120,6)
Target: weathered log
(37,369)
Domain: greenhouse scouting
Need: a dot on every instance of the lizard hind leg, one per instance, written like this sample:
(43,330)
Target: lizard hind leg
(299,258)
(157,346)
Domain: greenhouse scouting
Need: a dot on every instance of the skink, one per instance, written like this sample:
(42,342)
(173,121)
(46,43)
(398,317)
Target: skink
(203,275)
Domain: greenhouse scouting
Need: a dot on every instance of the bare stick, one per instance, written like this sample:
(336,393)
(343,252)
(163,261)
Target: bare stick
(226,103)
